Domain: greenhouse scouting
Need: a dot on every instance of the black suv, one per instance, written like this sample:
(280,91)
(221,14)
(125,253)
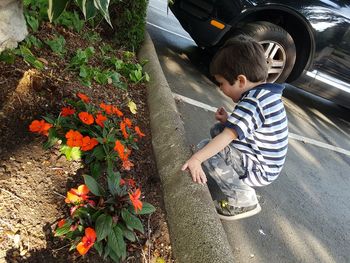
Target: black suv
(305,42)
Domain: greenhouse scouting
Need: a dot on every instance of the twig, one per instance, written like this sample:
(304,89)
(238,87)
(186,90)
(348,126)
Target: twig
(58,249)
(12,194)
(57,193)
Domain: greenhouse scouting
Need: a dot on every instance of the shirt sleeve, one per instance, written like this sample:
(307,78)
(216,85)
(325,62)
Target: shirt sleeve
(246,118)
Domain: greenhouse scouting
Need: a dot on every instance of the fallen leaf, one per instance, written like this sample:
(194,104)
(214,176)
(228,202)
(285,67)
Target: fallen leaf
(132,106)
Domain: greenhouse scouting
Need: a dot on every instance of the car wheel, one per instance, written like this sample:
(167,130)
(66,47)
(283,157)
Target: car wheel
(278,45)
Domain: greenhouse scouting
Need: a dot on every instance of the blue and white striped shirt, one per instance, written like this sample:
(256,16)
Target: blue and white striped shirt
(261,123)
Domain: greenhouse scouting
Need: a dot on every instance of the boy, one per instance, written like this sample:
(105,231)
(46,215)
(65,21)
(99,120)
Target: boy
(249,146)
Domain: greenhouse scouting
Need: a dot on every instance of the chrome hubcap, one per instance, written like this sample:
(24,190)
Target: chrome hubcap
(276,59)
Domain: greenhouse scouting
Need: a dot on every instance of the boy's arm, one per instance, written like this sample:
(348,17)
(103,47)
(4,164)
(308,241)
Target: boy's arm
(213,147)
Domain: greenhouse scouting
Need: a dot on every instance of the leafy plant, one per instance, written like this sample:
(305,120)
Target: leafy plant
(28,57)
(57,45)
(81,58)
(105,210)
(33,41)
(8,56)
(88,8)
(71,21)
(32,22)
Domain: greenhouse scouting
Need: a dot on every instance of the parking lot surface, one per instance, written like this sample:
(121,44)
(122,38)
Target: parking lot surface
(305,214)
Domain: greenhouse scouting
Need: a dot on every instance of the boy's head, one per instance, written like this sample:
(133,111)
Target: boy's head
(241,55)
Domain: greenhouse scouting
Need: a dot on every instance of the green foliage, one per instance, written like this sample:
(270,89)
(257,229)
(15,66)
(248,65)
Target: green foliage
(71,20)
(32,22)
(32,41)
(57,45)
(8,56)
(129,19)
(29,58)
(88,8)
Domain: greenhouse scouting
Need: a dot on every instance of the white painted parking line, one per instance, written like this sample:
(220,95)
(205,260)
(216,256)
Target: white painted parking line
(171,32)
(291,135)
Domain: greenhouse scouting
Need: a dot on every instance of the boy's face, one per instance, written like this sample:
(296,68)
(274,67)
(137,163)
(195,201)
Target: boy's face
(232,91)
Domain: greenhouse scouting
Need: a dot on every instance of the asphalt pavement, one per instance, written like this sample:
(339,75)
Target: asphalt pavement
(305,216)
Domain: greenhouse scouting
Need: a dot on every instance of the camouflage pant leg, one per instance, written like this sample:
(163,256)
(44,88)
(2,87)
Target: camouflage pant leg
(223,171)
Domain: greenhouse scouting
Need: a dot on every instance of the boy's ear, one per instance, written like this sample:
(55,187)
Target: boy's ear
(242,81)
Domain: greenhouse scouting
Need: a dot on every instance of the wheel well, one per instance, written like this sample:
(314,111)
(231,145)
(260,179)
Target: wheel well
(294,25)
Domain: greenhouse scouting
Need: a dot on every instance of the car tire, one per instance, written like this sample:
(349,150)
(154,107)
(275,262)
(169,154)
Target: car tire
(278,45)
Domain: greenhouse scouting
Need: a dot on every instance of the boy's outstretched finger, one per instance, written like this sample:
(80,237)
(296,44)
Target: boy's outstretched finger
(184,167)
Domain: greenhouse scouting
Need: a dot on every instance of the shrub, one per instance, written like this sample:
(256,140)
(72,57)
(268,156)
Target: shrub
(129,20)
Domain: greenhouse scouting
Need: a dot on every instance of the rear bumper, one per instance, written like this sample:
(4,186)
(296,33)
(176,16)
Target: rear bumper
(197,21)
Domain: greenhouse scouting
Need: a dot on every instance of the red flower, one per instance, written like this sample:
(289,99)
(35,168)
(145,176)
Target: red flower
(139,132)
(86,118)
(87,241)
(61,223)
(67,111)
(106,108)
(128,122)
(40,127)
(83,97)
(123,129)
(100,119)
(74,138)
(88,143)
(135,199)
(116,111)
(77,195)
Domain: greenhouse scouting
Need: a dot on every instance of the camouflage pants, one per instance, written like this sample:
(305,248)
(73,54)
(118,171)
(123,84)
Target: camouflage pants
(223,171)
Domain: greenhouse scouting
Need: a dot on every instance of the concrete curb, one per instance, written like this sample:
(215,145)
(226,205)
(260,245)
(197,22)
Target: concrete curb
(196,232)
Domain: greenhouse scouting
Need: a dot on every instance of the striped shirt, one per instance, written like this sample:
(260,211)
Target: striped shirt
(261,123)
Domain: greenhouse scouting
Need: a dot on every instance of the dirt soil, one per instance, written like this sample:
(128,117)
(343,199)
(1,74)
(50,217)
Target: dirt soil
(34,181)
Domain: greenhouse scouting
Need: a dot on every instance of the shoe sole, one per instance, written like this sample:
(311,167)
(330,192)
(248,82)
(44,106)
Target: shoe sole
(243,215)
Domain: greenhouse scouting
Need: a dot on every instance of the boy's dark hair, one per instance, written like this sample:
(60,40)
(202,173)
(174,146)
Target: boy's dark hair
(240,55)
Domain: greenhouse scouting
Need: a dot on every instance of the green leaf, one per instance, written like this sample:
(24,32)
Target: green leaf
(114,256)
(56,7)
(32,22)
(128,234)
(63,229)
(132,221)
(116,241)
(71,153)
(147,208)
(113,182)
(93,186)
(52,139)
(99,247)
(95,169)
(102,6)
(99,153)
(103,226)
(88,8)
(8,56)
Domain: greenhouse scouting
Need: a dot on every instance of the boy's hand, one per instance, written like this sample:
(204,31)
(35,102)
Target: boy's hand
(195,168)
(221,115)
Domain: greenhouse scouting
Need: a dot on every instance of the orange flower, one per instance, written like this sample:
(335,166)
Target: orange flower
(100,119)
(40,127)
(67,111)
(123,129)
(116,111)
(107,108)
(87,241)
(61,223)
(139,132)
(128,122)
(127,164)
(119,147)
(74,138)
(135,199)
(83,97)
(88,143)
(86,118)
(77,195)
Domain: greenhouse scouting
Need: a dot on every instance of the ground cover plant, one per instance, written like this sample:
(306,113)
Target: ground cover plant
(94,182)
